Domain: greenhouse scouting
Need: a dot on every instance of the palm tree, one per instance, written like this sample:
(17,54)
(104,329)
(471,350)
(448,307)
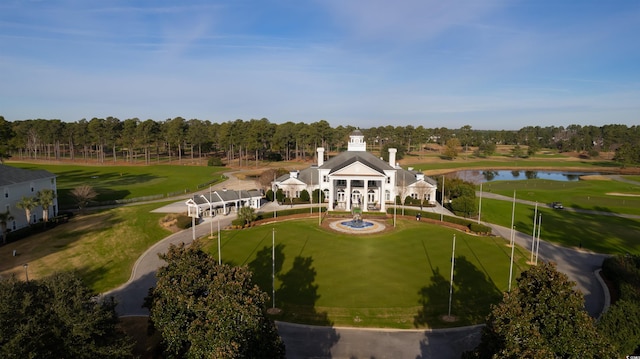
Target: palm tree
(4,219)
(45,198)
(247,214)
(28,204)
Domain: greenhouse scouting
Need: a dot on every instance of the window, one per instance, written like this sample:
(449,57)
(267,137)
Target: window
(341,182)
(387,195)
(325,178)
(341,195)
(371,196)
(388,179)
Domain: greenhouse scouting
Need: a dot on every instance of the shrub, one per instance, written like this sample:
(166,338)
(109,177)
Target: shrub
(215,161)
(183,221)
(479,228)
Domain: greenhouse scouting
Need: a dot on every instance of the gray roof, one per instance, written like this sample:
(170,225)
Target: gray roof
(405,177)
(347,158)
(13,175)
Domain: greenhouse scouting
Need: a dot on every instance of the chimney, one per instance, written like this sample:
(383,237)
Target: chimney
(320,156)
(392,157)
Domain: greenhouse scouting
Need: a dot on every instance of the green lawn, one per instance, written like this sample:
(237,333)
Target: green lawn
(126,182)
(396,279)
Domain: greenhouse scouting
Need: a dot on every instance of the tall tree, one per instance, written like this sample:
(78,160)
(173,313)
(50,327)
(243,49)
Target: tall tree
(451,148)
(543,317)
(129,136)
(27,204)
(45,198)
(6,134)
(83,195)
(58,317)
(203,309)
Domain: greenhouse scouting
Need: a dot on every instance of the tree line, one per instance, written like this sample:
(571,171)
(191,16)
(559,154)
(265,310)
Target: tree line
(148,141)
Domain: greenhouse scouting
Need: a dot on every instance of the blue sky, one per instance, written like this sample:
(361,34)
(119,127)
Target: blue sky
(437,63)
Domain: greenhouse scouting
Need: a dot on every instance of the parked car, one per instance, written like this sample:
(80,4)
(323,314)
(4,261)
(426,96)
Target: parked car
(557,205)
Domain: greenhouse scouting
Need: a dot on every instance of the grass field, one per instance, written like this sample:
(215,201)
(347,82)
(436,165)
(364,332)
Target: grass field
(102,246)
(602,234)
(562,162)
(595,195)
(397,279)
(126,182)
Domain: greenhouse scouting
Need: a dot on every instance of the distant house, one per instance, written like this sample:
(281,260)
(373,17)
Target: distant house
(16,183)
(358,179)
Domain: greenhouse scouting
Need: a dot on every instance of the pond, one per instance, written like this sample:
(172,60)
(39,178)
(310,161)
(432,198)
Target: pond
(478,176)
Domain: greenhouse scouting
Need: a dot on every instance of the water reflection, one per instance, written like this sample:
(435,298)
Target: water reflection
(477,176)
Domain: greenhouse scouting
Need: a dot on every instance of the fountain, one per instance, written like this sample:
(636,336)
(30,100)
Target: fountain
(357,222)
(357,225)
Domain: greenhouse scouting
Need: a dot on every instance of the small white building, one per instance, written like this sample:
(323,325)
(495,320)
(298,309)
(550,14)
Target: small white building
(16,183)
(357,178)
(223,202)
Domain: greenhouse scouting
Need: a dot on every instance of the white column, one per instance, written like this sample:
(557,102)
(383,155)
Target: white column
(383,202)
(365,201)
(331,198)
(348,196)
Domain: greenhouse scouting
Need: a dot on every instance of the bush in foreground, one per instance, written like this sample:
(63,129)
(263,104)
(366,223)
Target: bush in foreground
(58,317)
(206,310)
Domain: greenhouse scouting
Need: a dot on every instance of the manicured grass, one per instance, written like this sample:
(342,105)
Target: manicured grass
(602,234)
(102,246)
(126,182)
(595,195)
(396,279)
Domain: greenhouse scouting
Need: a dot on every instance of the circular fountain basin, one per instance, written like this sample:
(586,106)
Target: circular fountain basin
(357,226)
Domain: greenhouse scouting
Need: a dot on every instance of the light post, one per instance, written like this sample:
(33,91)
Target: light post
(26,272)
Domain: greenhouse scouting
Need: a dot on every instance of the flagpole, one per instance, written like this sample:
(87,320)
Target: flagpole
(219,254)
(513,246)
(538,242)
(273,267)
(480,204)
(533,235)
(513,213)
(453,262)
(442,200)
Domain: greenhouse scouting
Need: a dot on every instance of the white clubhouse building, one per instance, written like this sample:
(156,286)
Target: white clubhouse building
(358,179)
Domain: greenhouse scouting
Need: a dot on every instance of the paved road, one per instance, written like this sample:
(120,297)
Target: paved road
(332,342)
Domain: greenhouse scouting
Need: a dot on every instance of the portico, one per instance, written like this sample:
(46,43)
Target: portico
(355,179)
